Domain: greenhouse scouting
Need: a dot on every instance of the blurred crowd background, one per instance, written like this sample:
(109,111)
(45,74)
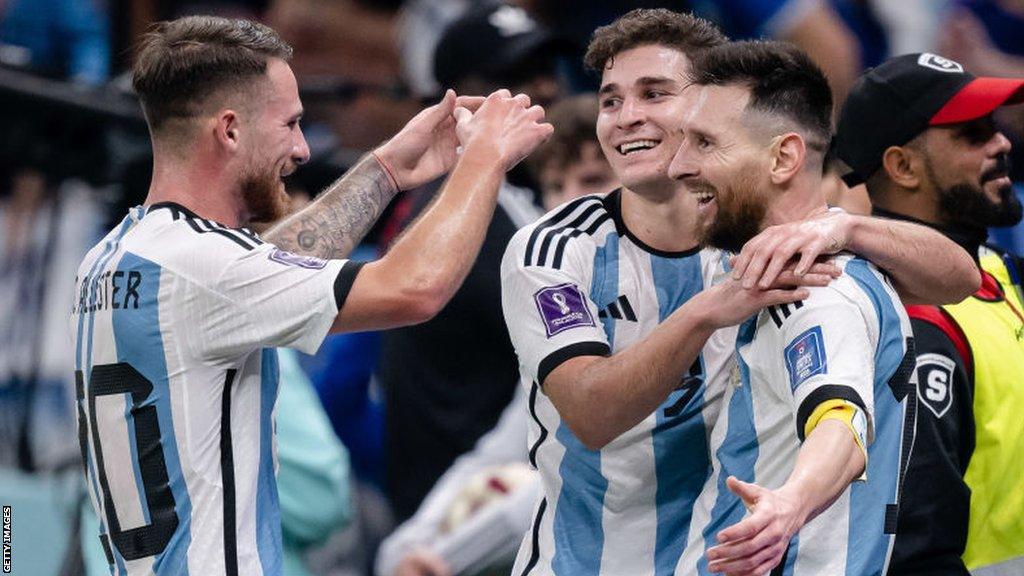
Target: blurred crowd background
(368,426)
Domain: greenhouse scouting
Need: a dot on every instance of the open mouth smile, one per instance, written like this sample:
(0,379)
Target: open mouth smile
(636,146)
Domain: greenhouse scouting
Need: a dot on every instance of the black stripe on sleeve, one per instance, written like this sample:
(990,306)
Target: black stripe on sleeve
(194,224)
(535,540)
(227,475)
(343,283)
(560,231)
(824,394)
(554,221)
(775,316)
(564,239)
(250,235)
(543,431)
(556,358)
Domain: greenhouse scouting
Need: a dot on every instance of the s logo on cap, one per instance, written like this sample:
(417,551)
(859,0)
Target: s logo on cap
(936,62)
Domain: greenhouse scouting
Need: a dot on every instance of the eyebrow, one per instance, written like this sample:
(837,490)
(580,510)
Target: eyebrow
(645,81)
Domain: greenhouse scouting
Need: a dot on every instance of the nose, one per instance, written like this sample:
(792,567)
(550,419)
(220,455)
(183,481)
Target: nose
(300,149)
(631,113)
(1000,144)
(682,167)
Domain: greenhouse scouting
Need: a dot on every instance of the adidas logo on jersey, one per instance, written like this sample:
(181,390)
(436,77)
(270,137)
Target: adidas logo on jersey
(619,310)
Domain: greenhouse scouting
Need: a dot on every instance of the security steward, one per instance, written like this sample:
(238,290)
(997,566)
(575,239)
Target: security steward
(918,131)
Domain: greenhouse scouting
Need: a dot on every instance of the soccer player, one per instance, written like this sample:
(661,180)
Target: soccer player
(178,309)
(919,131)
(821,393)
(601,300)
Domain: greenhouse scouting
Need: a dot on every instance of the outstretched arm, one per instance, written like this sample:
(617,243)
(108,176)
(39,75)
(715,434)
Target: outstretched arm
(332,226)
(425,267)
(599,398)
(925,266)
(828,461)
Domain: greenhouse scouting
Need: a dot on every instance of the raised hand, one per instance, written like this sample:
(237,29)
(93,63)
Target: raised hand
(766,255)
(755,545)
(425,148)
(507,124)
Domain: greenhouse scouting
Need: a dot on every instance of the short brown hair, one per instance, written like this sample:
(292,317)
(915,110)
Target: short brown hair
(181,63)
(575,120)
(783,81)
(642,27)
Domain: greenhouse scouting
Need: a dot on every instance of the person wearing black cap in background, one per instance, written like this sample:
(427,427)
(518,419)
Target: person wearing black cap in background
(918,131)
(447,381)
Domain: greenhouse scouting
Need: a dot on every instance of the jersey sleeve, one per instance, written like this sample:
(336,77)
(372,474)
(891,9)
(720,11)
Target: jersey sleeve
(548,310)
(267,297)
(827,354)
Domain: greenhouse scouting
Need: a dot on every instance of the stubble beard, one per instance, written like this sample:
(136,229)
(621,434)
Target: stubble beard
(966,203)
(740,212)
(264,198)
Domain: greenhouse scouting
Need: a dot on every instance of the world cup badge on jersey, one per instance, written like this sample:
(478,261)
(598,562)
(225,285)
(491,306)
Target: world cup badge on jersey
(805,357)
(562,307)
(287,258)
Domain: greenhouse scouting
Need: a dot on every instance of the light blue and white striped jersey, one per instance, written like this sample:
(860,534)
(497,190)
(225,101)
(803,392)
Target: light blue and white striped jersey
(852,341)
(577,282)
(173,322)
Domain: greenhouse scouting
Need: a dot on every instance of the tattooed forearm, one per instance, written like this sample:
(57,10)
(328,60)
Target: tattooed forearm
(332,226)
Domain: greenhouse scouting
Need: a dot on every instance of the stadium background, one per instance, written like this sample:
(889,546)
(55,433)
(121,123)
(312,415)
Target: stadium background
(74,155)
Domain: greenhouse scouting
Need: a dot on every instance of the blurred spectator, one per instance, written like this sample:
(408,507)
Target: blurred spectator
(346,50)
(571,164)
(812,25)
(499,46)
(431,544)
(45,228)
(446,381)
(420,25)
(60,38)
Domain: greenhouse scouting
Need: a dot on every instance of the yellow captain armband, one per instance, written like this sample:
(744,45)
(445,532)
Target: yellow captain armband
(848,413)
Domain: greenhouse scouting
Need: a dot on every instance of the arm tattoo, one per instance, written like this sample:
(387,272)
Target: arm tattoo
(332,226)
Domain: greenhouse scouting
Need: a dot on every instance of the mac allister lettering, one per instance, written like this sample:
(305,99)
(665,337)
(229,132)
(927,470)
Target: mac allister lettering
(112,289)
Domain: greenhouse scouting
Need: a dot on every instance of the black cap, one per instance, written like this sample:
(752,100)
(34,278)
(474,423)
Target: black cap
(891,104)
(493,41)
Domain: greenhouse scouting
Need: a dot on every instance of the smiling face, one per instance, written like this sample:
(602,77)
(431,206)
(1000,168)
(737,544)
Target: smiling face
(277,146)
(968,165)
(641,102)
(724,164)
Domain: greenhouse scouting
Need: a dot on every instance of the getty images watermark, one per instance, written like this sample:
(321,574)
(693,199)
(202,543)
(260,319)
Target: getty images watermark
(7,539)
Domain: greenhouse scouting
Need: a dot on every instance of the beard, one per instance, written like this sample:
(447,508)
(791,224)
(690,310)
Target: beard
(741,210)
(966,203)
(263,196)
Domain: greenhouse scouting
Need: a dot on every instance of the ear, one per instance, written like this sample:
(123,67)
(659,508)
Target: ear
(904,166)
(228,129)
(788,153)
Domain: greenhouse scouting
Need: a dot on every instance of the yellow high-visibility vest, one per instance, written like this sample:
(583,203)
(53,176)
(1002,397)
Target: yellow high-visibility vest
(993,322)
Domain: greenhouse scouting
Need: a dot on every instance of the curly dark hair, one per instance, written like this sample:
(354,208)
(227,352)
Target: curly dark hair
(181,63)
(645,26)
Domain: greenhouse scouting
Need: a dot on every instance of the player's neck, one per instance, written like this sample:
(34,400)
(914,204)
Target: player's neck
(799,202)
(663,222)
(203,190)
